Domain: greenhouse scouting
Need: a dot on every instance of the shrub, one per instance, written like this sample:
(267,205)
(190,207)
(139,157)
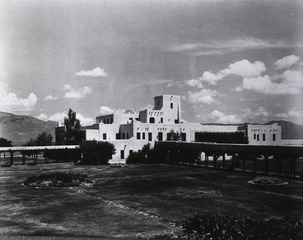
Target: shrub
(96,152)
(57,179)
(267,180)
(219,226)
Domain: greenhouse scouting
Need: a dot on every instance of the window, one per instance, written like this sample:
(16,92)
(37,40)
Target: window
(131,152)
(160,136)
(257,137)
(111,120)
(104,136)
(158,102)
(127,136)
(122,154)
(123,135)
(117,136)
(167,136)
(183,136)
(274,137)
(152,120)
(254,136)
(143,135)
(171,105)
(264,138)
(150,136)
(138,135)
(161,120)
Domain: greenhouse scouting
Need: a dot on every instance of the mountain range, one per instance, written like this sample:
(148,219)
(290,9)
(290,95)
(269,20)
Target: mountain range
(21,128)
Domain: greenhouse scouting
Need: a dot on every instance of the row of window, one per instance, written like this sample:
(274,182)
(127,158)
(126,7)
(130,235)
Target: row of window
(106,120)
(160,136)
(256,137)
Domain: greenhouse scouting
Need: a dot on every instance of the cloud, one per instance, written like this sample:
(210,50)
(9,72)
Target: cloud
(59,117)
(291,83)
(3,74)
(50,98)
(252,114)
(223,47)
(242,68)
(194,83)
(287,62)
(292,115)
(104,110)
(204,96)
(220,117)
(79,93)
(10,102)
(96,72)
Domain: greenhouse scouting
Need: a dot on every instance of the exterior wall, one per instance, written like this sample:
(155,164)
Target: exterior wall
(264,134)
(291,141)
(129,131)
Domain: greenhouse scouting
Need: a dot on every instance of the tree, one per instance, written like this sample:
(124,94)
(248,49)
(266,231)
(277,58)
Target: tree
(5,143)
(72,128)
(44,139)
(174,136)
(96,152)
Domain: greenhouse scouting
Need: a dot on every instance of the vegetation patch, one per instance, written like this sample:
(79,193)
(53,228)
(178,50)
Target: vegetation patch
(268,181)
(217,226)
(58,179)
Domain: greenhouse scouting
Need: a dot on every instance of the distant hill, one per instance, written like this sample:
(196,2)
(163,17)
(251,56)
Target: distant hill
(290,130)
(20,128)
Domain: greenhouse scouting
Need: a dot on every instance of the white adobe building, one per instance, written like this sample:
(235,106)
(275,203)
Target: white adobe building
(130,131)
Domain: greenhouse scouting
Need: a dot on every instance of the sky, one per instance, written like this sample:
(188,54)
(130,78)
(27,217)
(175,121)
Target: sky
(230,61)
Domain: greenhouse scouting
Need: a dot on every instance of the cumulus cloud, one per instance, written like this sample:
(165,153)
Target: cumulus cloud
(104,110)
(291,83)
(96,72)
(10,102)
(287,62)
(204,96)
(242,68)
(59,117)
(79,93)
(50,98)
(220,117)
(194,83)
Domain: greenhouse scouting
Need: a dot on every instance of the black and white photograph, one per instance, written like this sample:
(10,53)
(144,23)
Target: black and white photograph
(151,119)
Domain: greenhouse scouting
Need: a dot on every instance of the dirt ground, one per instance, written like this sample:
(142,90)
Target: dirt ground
(130,201)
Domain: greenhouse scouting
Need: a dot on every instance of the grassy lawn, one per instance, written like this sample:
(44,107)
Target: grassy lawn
(133,201)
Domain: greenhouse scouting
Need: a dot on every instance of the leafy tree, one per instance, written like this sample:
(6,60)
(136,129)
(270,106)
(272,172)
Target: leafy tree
(44,139)
(97,152)
(174,136)
(72,128)
(5,143)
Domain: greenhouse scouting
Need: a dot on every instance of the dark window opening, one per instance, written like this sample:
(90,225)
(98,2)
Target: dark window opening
(131,152)
(183,136)
(161,120)
(123,135)
(264,138)
(104,136)
(117,136)
(257,137)
(274,137)
(160,136)
(143,135)
(127,136)
(138,135)
(122,154)
(167,136)
(254,136)
(150,136)
(171,105)
(152,120)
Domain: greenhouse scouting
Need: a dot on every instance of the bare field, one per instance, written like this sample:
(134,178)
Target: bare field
(133,201)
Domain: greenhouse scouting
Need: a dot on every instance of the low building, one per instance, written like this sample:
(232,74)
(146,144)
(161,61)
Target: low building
(130,131)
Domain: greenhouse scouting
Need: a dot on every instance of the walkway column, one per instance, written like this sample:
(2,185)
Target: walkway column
(12,158)
(23,158)
(215,160)
(223,160)
(266,164)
